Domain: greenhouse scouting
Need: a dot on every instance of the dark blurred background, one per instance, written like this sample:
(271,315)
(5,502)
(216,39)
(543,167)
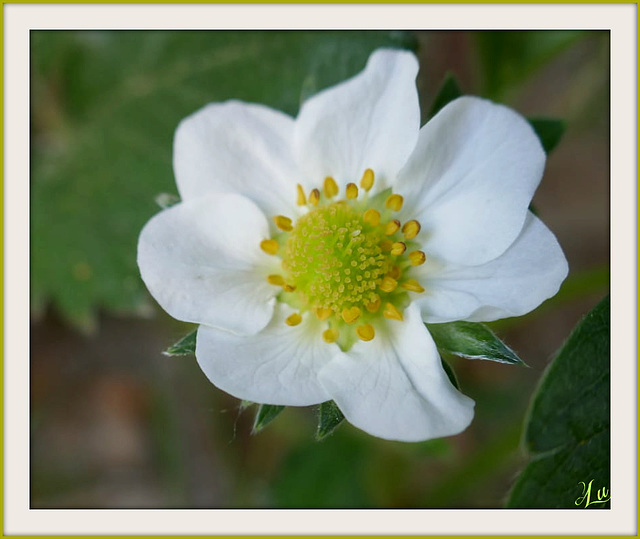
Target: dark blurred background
(116,424)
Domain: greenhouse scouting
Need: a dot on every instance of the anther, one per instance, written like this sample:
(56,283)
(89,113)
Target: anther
(386,245)
(366,332)
(330,187)
(330,335)
(314,197)
(417,258)
(352,191)
(351,315)
(293,319)
(288,287)
(411,229)
(392,313)
(373,306)
(412,285)
(367,180)
(392,227)
(388,284)
(269,246)
(302,199)
(394,273)
(323,313)
(283,223)
(372,217)
(277,280)
(394,202)
(398,248)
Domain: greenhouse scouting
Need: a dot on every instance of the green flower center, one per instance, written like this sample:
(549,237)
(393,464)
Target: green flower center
(334,258)
(348,262)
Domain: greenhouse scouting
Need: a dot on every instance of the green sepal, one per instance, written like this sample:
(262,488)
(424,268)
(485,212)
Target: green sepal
(549,131)
(329,417)
(186,345)
(450,373)
(266,414)
(448,91)
(472,340)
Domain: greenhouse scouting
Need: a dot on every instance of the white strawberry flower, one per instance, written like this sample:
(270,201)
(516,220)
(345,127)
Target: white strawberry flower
(312,250)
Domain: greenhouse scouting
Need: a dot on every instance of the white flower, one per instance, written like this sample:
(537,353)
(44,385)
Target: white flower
(311,250)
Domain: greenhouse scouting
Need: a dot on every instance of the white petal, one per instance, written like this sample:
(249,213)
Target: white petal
(528,273)
(279,365)
(471,178)
(235,147)
(369,121)
(201,261)
(395,387)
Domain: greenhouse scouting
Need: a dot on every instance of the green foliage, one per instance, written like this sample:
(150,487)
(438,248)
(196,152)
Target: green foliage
(329,417)
(549,130)
(104,108)
(327,475)
(186,345)
(449,90)
(472,341)
(568,429)
(266,414)
(507,58)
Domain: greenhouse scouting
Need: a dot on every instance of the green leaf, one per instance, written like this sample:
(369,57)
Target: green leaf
(266,414)
(186,345)
(329,417)
(449,90)
(104,108)
(549,130)
(568,428)
(472,341)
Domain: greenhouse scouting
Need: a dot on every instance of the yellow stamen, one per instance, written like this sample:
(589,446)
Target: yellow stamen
(352,191)
(366,332)
(392,313)
(386,245)
(388,284)
(277,280)
(314,197)
(293,319)
(372,217)
(394,273)
(398,248)
(351,315)
(283,223)
(330,335)
(367,180)
(288,287)
(269,246)
(392,227)
(373,306)
(417,258)
(322,313)
(394,202)
(330,187)
(412,285)
(411,229)
(302,199)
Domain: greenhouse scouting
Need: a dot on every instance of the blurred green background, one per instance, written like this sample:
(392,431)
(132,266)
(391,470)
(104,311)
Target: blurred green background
(116,424)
